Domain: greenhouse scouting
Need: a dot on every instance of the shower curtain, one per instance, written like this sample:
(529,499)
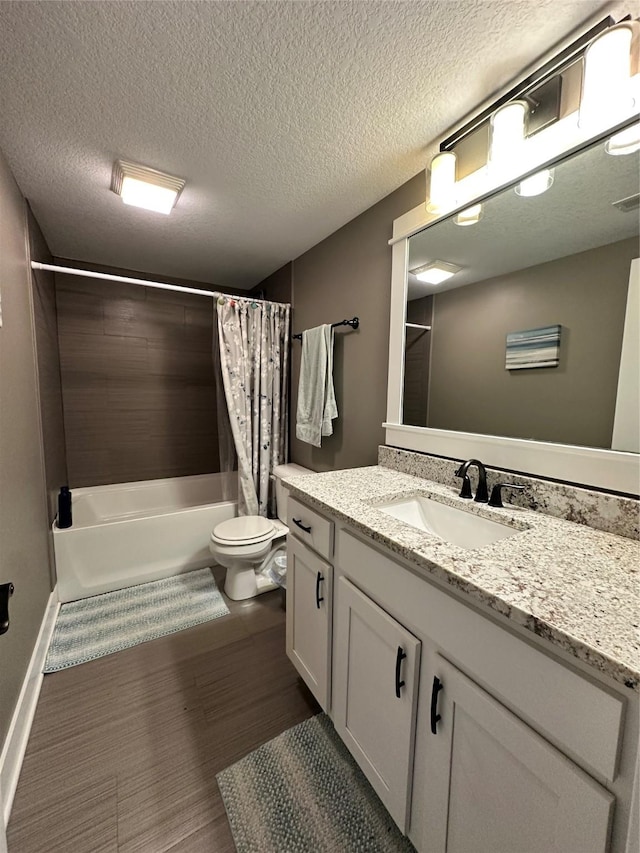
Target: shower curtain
(253,350)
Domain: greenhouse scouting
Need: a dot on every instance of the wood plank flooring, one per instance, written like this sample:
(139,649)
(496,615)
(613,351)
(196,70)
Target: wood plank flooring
(124,750)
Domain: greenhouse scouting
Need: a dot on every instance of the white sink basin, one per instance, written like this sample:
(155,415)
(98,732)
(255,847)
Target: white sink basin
(457,526)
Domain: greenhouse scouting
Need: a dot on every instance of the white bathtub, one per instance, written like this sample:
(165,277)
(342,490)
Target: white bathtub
(131,533)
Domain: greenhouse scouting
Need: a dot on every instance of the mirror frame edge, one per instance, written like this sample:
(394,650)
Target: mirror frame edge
(610,470)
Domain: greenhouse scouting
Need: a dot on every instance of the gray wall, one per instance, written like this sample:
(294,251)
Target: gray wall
(278,286)
(24,557)
(137,379)
(470,390)
(347,275)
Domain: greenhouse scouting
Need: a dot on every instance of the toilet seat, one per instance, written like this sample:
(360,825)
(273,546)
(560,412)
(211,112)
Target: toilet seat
(243,530)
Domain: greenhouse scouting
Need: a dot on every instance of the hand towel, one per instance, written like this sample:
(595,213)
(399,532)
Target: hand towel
(316,397)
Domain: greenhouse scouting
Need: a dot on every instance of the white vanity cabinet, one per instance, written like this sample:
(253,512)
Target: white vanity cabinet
(375,690)
(494,784)
(310,601)
(521,750)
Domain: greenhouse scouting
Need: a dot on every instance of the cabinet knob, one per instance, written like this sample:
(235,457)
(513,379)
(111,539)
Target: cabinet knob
(400,656)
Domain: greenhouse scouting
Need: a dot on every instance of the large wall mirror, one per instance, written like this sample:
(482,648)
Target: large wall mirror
(534,338)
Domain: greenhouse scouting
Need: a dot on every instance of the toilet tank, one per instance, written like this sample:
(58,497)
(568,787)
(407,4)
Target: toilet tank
(282,493)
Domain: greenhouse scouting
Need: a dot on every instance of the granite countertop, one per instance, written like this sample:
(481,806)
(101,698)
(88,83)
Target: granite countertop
(575,586)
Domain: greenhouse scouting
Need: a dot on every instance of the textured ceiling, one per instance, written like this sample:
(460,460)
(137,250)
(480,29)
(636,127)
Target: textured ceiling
(287,119)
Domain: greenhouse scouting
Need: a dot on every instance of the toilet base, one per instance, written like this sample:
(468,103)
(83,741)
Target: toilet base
(245,582)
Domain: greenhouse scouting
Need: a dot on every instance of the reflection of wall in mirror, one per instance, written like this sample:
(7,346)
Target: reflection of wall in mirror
(469,389)
(417,353)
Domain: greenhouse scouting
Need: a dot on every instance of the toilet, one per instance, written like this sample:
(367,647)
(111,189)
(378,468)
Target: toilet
(247,545)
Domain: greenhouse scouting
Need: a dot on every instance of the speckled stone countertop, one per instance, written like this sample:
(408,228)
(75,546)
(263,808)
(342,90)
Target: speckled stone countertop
(577,587)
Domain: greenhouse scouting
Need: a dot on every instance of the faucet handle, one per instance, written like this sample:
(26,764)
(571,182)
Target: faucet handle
(496,493)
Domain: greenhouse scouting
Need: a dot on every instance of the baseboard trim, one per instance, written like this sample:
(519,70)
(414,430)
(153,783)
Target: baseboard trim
(18,734)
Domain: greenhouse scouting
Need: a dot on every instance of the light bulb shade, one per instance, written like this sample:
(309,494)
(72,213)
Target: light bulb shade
(442,186)
(536,184)
(508,131)
(470,216)
(625,142)
(606,94)
(144,187)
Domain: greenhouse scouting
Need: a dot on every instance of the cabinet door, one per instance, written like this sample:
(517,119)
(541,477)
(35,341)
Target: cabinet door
(309,605)
(375,690)
(496,786)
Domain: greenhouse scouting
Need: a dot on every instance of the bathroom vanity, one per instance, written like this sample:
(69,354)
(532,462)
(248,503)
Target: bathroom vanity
(489,694)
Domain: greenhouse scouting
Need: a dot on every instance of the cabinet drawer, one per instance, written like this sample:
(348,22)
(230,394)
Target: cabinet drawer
(310,527)
(583,719)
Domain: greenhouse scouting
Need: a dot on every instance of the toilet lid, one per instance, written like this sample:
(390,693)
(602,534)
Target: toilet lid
(246,529)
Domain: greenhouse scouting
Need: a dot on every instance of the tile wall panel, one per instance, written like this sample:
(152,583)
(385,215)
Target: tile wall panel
(137,382)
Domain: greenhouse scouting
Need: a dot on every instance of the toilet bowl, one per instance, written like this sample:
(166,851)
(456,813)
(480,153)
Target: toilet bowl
(247,545)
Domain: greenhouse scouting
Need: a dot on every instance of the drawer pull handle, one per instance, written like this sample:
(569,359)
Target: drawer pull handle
(435,717)
(319,598)
(400,656)
(298,521)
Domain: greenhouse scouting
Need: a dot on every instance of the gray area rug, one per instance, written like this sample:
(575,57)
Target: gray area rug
(303,793)
(97,626)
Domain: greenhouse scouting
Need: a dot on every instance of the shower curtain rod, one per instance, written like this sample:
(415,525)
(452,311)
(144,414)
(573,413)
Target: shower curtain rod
(35,265)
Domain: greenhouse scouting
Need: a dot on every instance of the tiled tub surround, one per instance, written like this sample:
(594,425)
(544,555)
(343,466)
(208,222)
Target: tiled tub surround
(600,510)
(577,587)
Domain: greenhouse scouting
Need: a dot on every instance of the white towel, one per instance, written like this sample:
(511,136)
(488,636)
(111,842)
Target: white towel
(316,397)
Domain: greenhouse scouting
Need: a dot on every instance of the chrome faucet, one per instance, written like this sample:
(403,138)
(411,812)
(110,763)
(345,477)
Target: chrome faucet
(481,491)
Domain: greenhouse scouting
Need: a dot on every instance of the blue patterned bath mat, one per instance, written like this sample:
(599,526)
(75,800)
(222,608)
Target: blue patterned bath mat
(103,624)
(303,792)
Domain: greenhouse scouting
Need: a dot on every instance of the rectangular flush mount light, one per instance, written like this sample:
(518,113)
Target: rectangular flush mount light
(435,272)
(144,187)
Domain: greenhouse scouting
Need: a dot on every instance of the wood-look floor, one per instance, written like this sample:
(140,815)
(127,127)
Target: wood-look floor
(124,750)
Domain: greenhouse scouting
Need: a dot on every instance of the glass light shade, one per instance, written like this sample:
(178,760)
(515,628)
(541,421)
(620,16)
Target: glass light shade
(149,196)
(442,185)
(606,94)
(470,216)
(536,184)
(625,142)
(507,136)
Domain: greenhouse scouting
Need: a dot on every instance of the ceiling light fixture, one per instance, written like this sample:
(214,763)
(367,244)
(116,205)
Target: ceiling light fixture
(143,187)
(435,272)
(536,184)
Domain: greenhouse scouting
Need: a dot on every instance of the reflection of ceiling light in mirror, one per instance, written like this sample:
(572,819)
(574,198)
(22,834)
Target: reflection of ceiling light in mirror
(143,187)
(625,142)
(435,272)
(442,183)
(507,136)
(536,184)
(606,93)
(470,216)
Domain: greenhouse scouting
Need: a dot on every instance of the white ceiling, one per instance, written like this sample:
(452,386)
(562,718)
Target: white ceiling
(287,119)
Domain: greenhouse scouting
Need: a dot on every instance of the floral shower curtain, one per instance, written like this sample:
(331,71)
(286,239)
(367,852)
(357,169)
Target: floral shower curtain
(253,342)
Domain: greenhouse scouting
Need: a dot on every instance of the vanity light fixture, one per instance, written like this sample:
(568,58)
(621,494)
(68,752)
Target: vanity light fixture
(536,184)
(143,187)
(470,216)
(435,272)
(443,181)
(606,92)
(508,130)
(625,142)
